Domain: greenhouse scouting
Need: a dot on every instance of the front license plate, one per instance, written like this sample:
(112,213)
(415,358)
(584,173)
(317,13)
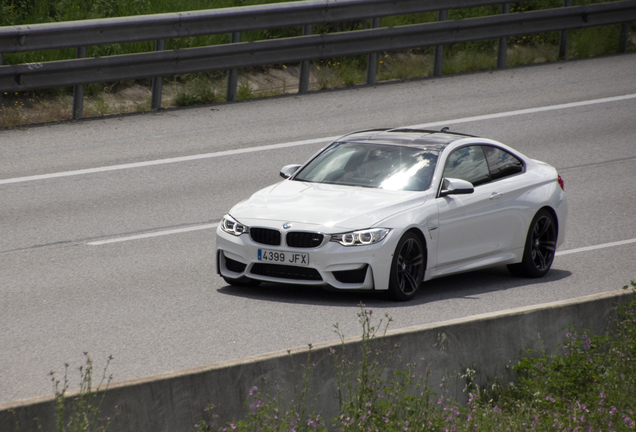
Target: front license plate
(289,258)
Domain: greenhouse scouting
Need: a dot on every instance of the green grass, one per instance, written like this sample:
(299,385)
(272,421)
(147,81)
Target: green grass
(594,41)
(199,89)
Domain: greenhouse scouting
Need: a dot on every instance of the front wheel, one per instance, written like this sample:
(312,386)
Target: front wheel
(540,247)
(407,267)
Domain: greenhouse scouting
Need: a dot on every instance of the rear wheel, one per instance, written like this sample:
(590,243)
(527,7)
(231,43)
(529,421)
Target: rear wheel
(407,267)
(242,282)
(540,247)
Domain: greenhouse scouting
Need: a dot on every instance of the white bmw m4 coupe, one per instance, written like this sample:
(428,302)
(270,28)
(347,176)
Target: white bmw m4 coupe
(389,209)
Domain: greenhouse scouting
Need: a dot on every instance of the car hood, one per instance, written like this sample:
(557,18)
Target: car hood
(332,207)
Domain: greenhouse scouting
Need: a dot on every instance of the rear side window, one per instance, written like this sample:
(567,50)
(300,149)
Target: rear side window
(468,163)
(501,163)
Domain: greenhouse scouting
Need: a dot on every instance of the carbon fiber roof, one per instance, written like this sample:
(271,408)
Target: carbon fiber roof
(432,140)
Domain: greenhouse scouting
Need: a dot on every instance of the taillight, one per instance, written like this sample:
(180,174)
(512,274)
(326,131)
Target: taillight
(561,183)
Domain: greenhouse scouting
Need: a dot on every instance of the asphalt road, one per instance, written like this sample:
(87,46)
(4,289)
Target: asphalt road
(107,245)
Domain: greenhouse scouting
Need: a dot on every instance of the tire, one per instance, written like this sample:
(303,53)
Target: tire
(538,253)
(242,282)
(407,267)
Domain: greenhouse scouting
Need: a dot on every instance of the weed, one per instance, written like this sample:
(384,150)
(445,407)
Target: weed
(523,55)
(198,91)
(11,114)
(273,409)
(244,91)
(594,41)
(81,411)
(588,385)
(96,107)
(402,66)
(468,61)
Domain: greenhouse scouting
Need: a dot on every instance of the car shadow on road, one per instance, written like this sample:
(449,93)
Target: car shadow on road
(465,285)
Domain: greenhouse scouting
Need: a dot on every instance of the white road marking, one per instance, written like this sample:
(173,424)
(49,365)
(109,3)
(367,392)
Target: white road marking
(600,246)
(526,111)
(214,225)
(305,142)
(154,234)
(165,161)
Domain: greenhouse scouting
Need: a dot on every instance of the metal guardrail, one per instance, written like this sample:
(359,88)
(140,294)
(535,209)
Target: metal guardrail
(80,71)
(197,23)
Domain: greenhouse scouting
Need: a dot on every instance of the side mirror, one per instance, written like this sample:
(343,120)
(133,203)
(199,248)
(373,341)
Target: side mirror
(452,186)
(288,170)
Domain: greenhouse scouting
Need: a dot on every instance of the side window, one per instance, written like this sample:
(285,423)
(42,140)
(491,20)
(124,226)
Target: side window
(502,164)
(468,163)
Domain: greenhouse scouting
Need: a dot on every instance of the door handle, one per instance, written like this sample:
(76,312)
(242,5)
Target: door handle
(495,195)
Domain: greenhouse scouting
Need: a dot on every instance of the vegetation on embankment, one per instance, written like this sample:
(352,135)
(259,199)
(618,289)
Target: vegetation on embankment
(101,99)
(589,385)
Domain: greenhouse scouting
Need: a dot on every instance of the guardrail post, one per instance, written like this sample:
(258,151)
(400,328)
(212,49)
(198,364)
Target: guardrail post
(303,79)
(439,49)
(372,59)
(78,91)
(1,63)
(565,35)
(623,44)
(157,82)
(502,52)
(232,78)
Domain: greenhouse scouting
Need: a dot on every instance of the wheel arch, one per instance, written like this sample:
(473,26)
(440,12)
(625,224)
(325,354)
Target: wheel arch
(418,232)
(554,215)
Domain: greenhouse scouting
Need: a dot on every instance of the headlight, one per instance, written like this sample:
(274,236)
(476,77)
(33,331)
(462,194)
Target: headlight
(361,238)
(231,226)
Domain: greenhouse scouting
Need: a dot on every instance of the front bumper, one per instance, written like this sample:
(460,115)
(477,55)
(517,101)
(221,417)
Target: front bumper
(353,267)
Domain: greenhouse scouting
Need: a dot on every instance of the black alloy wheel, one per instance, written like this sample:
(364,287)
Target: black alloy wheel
(540,247)
(407,267)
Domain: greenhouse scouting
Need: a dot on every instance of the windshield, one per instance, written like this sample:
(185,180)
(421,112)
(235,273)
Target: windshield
(380,166)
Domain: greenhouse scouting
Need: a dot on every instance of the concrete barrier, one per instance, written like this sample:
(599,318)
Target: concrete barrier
(488,343)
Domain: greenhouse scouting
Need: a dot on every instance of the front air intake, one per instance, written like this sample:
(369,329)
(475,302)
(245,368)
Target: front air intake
(351,276)
(286,272)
